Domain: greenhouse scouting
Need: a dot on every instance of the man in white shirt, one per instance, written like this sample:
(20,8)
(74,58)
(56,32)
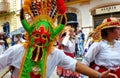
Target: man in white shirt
(13,57)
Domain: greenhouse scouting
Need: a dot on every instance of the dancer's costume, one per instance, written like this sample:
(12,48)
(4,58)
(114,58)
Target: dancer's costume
(38,17)
(104,54)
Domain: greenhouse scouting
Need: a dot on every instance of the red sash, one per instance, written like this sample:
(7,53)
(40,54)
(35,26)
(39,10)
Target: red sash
(69,54)
(102,69)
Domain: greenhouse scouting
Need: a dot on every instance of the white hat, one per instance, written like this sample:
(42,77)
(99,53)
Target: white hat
(1,41)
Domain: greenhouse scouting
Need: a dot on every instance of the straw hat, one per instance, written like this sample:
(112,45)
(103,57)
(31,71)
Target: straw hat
(107,23)
(111,22)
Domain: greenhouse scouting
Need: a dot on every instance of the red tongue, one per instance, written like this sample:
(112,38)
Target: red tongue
(37,54)
(32,75)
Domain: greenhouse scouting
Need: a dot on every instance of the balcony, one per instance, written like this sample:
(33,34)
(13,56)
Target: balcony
(4,7)
(71,2)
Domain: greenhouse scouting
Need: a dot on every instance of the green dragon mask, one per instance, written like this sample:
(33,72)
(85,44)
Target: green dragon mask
(38,17)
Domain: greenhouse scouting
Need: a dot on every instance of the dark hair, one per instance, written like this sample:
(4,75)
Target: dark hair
(104,32)
(63,35)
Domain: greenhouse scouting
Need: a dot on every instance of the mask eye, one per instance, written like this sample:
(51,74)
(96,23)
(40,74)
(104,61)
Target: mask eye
(37,35)
(44,36)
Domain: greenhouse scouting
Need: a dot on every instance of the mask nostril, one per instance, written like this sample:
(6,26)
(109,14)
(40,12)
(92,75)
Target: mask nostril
(40,44)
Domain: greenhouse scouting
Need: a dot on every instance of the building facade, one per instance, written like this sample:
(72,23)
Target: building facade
(9,13)
(93,12)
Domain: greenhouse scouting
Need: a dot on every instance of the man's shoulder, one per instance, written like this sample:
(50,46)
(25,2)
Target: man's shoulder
(57,51)
(16,46)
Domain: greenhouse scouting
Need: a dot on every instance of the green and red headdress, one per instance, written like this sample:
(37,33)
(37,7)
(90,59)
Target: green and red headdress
(38,17)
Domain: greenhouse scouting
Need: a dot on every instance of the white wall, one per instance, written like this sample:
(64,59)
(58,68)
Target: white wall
(86,14)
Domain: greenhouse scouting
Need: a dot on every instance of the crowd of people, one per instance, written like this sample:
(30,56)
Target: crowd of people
(37,56)
(99,52)
(68,40)
(56,58)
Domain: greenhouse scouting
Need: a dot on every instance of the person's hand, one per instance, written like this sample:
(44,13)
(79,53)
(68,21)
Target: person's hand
(67,33)
(111,75)
(107,74)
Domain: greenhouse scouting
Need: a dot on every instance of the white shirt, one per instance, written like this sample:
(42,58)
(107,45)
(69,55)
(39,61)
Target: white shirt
(13,56)
(69,44)
(103,54)
(1,49)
